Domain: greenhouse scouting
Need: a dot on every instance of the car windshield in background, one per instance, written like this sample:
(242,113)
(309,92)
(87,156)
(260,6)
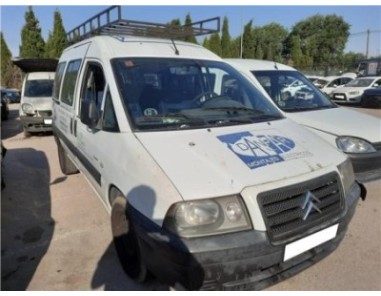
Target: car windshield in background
(161,93)
(291,91)
(360,83)
(320,83)
(39,88)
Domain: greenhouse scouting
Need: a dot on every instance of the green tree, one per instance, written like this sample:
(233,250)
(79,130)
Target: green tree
(174,28)
(322,38)
(57,41)
(236,47)
(296,53)
(351,60)
(189,30)
(6,63)
(272,37)
(226,50)
(248,49)
(205,43)
(214,44)
(32,43)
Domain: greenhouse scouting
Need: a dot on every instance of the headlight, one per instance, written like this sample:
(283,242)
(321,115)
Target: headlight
(207,217)
(347,175)
(354,93)
(354,145)
(27,108)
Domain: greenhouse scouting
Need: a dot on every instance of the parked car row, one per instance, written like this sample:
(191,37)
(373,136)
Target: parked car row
(356,134)
(352,92)
(349,89)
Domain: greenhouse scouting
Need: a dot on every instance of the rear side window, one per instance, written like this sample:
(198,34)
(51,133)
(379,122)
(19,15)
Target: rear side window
(68,86)
(58,80)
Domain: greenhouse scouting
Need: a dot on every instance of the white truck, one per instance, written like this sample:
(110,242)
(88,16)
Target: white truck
(208,185)
(36,95)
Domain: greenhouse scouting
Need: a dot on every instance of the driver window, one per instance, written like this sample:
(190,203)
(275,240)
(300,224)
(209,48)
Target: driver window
(94,85)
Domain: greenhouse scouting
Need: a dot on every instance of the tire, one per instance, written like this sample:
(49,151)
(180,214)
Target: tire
(126,242)
(67,166)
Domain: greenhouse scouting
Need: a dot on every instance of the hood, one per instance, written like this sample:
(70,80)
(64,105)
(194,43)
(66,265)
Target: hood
(40,103)
(341,122)
(220,161)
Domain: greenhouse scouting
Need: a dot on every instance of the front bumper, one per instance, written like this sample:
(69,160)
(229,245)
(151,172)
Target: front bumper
(367,167)
(36,124)
(342,98)
(236,261)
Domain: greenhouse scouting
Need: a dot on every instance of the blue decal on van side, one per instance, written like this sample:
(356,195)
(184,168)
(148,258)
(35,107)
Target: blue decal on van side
(258,150)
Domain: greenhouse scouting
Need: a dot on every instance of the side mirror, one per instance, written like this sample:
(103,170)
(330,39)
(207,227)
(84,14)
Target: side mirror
(89,113)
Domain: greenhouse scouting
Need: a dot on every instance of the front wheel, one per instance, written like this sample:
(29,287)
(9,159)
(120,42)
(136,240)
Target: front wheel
(67,166)
(126,241)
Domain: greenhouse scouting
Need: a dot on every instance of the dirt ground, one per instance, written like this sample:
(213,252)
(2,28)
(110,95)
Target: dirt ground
(55,234)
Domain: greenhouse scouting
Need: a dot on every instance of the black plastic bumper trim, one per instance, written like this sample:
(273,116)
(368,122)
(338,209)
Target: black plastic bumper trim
(242,260)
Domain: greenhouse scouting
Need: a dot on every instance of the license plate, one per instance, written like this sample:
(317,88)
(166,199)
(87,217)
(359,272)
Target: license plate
(340,97)
(48,121)
(300,246)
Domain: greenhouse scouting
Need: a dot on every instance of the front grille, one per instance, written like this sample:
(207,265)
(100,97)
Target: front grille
(45,113)
(291,211)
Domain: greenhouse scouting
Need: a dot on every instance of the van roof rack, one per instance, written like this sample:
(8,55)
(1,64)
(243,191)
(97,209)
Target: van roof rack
(102,24)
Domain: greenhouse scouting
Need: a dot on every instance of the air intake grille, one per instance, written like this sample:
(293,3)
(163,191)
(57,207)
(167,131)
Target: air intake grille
(290,211)
(45,113)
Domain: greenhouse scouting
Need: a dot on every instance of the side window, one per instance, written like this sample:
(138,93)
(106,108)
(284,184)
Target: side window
(93,85)
(70,79)
(58,80)
(377,83)
(93,88)
(109,119)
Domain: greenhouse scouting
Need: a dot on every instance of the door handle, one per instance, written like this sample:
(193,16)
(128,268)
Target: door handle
(75,128)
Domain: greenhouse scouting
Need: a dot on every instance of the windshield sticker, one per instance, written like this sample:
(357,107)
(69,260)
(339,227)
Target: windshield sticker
(261,150)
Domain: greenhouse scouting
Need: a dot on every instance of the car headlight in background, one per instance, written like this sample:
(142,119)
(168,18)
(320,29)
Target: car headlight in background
(27,108)
(347,175)
(207,217)
(354,145)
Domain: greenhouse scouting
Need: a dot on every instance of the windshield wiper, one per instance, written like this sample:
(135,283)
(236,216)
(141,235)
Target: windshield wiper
(235,110)
(312,108)
(169,119)
(230,121)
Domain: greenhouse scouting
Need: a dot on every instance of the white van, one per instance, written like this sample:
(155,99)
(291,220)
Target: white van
(355,133)
(209,186)
(36,95)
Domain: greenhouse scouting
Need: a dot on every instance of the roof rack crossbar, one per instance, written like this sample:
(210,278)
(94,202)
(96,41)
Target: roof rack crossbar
(94,26)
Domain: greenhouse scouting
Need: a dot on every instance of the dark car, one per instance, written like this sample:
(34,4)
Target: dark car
(371,98)
(13,96)
(4,107)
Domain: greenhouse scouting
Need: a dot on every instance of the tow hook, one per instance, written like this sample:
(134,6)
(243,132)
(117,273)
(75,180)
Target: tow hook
(363,191)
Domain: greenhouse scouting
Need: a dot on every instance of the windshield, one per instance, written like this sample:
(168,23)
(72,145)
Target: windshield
(291,91)
(360,83)
(39,88)
(320,83)
(161,93)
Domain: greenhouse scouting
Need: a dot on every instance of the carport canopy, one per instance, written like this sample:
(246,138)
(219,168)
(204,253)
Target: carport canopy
(28,65)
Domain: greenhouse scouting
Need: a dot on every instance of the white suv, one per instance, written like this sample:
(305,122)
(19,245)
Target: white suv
(208,185)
